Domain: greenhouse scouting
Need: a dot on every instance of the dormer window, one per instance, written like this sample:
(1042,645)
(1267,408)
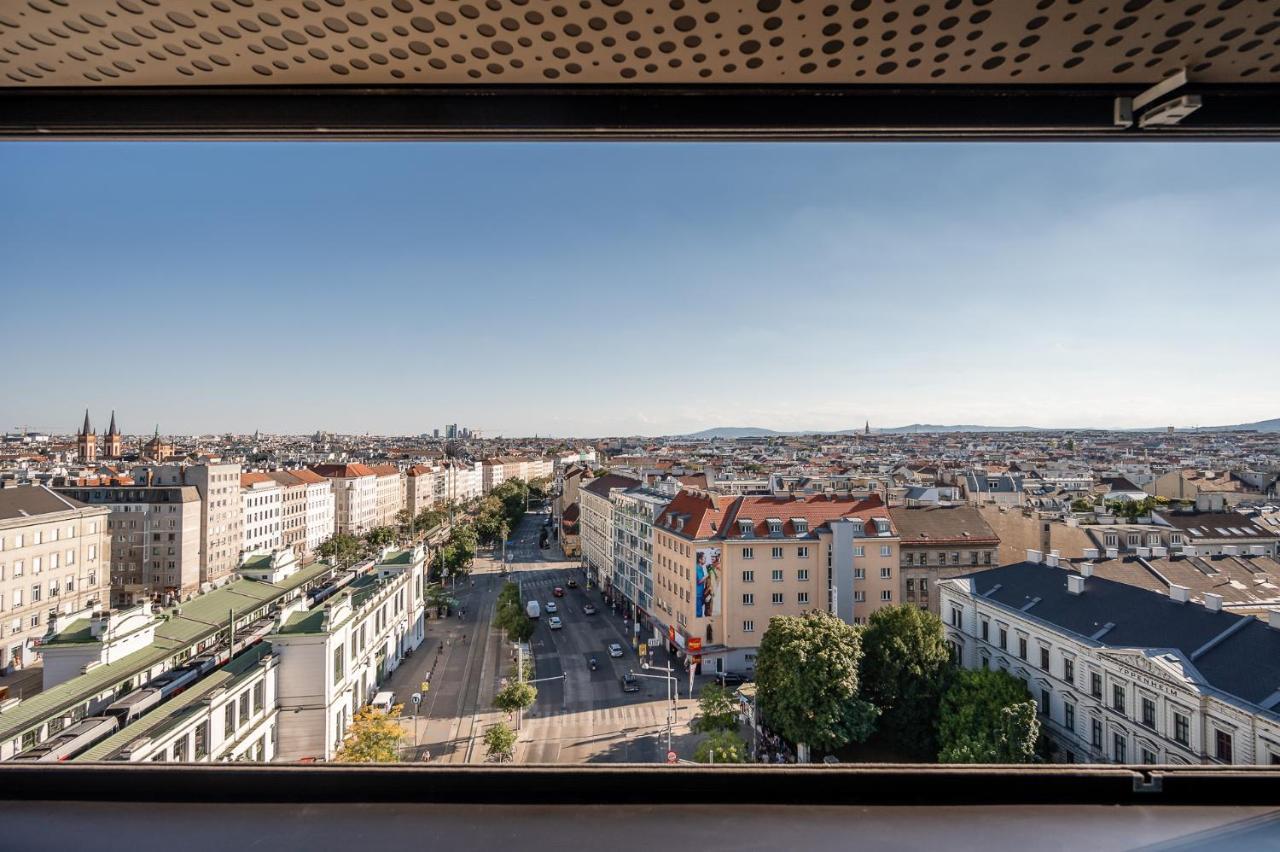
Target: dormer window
(775,526)
(746,528)
(801,526)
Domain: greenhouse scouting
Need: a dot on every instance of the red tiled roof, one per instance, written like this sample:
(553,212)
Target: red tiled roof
(342,471)
(248,479)
(309,476)
(714,516)
(385,470)
(419,470)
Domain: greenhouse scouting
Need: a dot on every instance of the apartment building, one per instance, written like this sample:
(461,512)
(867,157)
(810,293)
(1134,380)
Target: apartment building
(262,507)
(492,474)
(308,519)
(938,542)
(221,523)
(355,496)
(54,557)
(429,486)
(333,658)
(1121,674)
(154,532)
(725,565)
(389,489)
(596,525)
(634,512)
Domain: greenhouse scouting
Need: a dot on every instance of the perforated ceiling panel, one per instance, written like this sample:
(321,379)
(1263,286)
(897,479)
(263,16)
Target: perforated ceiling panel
(303,42)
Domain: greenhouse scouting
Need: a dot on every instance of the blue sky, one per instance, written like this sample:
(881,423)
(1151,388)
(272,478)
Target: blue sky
(597,289)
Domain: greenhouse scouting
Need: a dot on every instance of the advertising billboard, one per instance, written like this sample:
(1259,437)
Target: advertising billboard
(707,579)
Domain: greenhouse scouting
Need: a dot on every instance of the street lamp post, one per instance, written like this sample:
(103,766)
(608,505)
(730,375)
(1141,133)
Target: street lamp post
(672,684)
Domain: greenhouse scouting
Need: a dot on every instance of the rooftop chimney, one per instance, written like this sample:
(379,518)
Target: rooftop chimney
(1033,556)
(1075,584)
(1086,569)
(1212,602)
(1113,552)
(1273,619)
(1045,527)
(1159,552)
(1179,594)
(1144,552)
(1051,560)
(1091,553)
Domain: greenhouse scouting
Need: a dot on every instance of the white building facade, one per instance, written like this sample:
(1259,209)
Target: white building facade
(1121,674)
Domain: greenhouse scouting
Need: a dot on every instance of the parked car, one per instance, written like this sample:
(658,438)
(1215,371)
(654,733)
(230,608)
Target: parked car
(558,592)
(731,678)
(551,606)
(554,622)
(615,650)
(588,609)
(630,683)
(532,609)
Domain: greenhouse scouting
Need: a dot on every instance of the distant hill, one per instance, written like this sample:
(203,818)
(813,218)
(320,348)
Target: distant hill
(965,427)
(731,432)
(1260,426)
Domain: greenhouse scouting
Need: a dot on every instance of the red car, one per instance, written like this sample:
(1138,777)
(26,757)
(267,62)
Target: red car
(558,592)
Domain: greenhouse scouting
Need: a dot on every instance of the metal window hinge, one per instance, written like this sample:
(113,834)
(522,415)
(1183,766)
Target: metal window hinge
(1151,111)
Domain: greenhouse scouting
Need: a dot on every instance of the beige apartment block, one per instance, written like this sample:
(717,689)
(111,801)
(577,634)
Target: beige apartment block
(723,566)
(221,523)
(308,510)
(390,491)
(939,542)
(155,537)
(54,557)
(355,496)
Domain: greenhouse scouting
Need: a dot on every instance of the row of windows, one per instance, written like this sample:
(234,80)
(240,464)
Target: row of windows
(909,557)
(778,598)
(39,537)
(776,575)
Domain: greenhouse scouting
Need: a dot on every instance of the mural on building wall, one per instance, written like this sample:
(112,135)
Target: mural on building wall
(708,582)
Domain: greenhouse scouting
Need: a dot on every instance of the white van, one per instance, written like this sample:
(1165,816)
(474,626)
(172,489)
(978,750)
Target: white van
(383,701)
(533,610)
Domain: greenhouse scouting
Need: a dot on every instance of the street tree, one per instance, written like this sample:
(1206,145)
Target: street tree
(516,695)
(807,681)
(342,549)
(379,537)
(721,747)
(987,716)
(905,666)
(500,742)
(717,710)
(404,521)
(374,737)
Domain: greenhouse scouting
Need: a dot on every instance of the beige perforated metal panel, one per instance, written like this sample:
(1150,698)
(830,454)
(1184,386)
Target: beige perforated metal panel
(303,42)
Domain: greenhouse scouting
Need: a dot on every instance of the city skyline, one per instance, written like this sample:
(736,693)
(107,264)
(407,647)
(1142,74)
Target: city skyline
(270,286)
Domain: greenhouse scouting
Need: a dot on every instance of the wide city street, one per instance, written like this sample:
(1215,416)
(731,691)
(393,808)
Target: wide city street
(581,716)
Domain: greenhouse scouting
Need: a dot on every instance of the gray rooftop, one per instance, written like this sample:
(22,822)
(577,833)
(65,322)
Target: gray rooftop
(1246,664)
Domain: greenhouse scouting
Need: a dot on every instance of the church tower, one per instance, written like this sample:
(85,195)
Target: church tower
(87,441)
(114,444)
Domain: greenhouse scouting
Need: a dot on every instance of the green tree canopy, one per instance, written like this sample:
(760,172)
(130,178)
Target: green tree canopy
(717,709)
(721,747)
(987,716)
(516,695)
(904,670)
(342,549)
(374,737)
(807,681)
(500,742)
(379,537)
